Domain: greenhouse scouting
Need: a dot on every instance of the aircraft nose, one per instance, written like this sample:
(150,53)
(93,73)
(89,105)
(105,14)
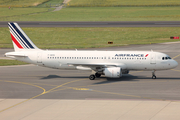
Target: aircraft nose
(174,64)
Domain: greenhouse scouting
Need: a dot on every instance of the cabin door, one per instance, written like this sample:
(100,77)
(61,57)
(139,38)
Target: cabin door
(39,57)
(153,58)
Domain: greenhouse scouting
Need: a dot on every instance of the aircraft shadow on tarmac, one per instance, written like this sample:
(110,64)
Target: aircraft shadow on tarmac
(105,80)
(56,76)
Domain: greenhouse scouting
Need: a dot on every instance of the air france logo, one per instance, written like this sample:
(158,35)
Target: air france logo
(146,55)
(130,55)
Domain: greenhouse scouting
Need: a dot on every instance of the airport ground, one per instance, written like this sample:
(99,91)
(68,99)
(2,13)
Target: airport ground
(33,92)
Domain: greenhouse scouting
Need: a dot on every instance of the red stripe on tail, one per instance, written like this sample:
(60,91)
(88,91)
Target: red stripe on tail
(16,42)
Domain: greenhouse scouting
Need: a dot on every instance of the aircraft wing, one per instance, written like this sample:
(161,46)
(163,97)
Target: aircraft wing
(99,65)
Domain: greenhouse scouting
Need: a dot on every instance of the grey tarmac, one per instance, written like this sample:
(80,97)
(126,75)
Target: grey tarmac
(33,92)
(95,24)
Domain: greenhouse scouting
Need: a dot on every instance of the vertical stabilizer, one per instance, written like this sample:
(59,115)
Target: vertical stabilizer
(20,40)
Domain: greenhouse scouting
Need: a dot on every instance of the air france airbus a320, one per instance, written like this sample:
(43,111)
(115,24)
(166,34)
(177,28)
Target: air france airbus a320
(112,64)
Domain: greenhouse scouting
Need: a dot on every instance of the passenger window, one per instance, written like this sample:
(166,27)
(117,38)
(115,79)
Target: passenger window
(162,58)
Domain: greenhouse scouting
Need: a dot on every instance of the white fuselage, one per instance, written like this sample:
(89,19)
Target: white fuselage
(85,60)
(109,63)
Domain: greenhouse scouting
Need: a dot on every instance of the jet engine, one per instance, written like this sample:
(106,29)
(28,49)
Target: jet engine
(114,72)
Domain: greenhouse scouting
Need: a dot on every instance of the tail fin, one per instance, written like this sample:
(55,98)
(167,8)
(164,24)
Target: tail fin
(20,40)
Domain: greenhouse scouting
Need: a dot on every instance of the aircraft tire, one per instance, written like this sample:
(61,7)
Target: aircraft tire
(153,77)
(92,77)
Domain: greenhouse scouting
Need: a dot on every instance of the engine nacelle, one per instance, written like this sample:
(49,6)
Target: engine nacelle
(114,72)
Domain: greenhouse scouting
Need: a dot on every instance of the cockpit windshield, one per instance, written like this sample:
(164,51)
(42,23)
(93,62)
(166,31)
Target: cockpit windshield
(166,58)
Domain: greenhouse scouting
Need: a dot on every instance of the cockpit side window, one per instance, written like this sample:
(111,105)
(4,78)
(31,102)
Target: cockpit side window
(165,58)
(169,58)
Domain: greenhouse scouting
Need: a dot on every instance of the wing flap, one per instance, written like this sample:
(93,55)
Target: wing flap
(99,65)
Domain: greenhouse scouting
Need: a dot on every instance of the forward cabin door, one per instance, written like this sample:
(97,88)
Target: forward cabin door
(39,57)
(153,58)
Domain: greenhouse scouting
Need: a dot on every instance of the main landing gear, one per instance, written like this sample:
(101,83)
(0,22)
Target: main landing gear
(153,74)
(92,76)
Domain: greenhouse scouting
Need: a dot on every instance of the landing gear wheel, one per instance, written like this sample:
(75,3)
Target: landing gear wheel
(153,74)
(98,75)
(153,77)
(92,77)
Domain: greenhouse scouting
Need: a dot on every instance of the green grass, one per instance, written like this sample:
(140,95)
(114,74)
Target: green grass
(71,38)
(51,3)
(11,62)
(5,13)
(20,3)
(94,14)
(105,3)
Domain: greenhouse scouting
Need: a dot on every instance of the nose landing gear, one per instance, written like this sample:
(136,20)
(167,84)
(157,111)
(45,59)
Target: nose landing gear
(153,74)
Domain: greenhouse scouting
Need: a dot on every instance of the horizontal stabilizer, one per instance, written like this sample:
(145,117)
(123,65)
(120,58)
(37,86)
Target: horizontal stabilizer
(15,54)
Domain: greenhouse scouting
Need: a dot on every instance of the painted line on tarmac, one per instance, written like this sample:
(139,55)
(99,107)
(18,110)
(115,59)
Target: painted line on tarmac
(176,56)
(175,70)
(134,96)
(63,85)
(44,91)
(24,100)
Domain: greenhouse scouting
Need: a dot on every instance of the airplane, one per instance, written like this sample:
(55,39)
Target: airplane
(112,64)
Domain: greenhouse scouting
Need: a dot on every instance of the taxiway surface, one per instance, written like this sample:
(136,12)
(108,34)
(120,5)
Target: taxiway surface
(28,85)
(96,24)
